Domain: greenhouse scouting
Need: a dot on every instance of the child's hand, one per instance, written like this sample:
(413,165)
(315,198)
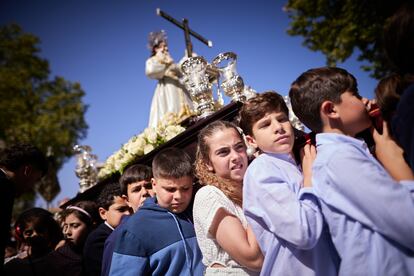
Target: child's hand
(391,155)
(307,155)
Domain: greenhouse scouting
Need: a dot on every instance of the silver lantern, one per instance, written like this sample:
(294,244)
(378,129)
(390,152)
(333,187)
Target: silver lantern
(230,81)
(197,83)
(86,169)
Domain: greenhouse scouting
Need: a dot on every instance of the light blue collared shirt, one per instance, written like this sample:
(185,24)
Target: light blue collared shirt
(370,216)
(287,223)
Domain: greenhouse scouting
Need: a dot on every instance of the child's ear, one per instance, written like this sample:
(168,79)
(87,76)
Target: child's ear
(251,141)
(153,182)
(328,109)
(210,167)
(102,213)
(125,197)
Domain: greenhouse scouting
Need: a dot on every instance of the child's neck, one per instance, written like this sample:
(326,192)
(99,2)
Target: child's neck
(328,129)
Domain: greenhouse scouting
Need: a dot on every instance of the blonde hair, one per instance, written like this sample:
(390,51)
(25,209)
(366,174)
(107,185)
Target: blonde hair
(230,188)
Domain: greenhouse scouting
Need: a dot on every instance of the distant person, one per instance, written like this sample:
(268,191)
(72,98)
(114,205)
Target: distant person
(39,231)
(170,95)
(79,220)
(111,206)
(21,166)
(136,187)
(387,94)
(159,239)
(287,221)
(369,214)
(399,47)
(227,242)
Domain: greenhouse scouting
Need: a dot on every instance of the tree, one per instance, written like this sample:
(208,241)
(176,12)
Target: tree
(337,28)
(33,108)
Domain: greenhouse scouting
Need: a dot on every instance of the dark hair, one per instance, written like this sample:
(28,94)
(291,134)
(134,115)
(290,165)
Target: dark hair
(387,94)
(206,177)
(88,206)
(43,223)
(389,91)
(313,87)
(257,107)
(107,196)
(134,173)
(399,38)
(172,163)
(18,155)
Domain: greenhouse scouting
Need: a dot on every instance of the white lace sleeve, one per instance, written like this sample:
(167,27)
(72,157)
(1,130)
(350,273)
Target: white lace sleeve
(155,69)
(208,201)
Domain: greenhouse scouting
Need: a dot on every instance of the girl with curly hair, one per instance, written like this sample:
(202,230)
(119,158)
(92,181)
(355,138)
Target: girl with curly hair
(226,241)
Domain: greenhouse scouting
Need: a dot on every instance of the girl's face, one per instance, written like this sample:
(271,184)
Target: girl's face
(75,230)
(228,158)
(29,231)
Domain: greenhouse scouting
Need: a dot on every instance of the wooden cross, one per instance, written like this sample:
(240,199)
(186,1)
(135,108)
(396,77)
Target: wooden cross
(187,32)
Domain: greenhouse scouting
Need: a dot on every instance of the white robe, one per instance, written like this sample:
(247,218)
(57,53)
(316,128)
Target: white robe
(169,95)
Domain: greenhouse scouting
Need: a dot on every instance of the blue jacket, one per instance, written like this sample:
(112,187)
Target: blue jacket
(109,247)
(155,241)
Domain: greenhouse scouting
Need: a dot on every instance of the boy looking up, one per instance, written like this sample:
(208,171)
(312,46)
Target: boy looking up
(288,223)
(159,239)
(111,208)
(370,215)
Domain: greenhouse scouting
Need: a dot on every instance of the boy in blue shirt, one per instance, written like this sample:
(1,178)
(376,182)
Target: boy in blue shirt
(370,215)
(159,239)
(288,224)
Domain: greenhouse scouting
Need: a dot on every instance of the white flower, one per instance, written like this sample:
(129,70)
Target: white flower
(135,146)
(141,144)
(151,135)
(148,148)
(296,123)
(172,131)
(104,172)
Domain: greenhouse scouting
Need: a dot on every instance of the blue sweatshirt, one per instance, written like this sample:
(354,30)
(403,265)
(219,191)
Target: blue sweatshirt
(155,241)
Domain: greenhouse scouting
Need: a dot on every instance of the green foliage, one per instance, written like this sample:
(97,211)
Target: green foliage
(337,28)
(48,113)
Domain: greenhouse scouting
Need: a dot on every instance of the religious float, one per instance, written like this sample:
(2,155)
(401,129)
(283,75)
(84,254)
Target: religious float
(174,130)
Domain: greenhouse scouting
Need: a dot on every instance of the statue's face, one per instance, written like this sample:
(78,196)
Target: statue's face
(162,47)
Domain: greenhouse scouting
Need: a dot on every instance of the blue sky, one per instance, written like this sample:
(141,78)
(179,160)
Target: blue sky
(102,45)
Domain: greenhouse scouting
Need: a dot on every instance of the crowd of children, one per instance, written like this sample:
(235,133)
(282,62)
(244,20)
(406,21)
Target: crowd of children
(333,206)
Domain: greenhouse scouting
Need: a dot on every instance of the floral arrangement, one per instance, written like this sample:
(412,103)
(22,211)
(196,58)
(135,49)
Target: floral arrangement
(141,144)
(296,123)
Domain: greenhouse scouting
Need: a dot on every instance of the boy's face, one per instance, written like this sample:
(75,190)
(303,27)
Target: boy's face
(115,211)
(352,114)
(228,158)
(173,194)
(273,133)
(138,192)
